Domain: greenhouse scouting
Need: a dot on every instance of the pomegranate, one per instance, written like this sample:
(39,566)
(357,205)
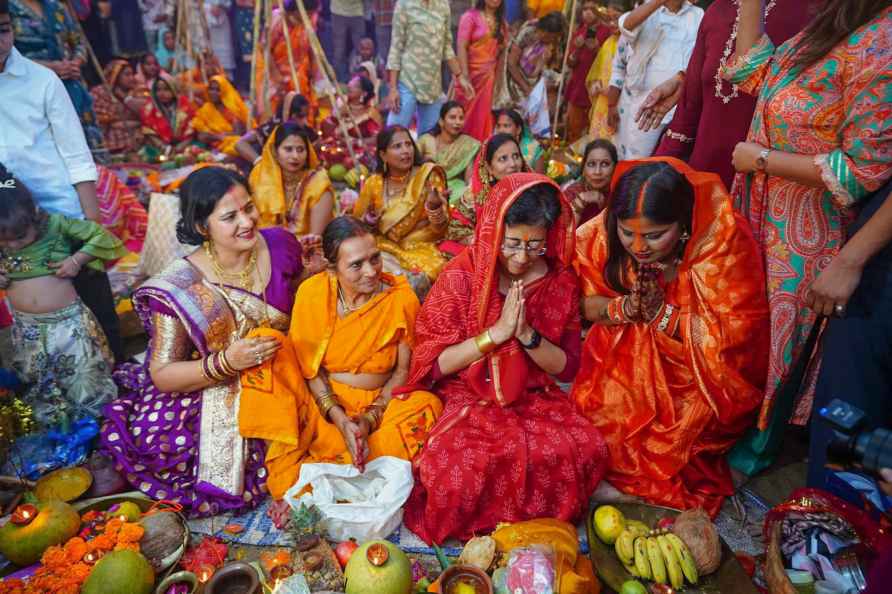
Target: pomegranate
(344,551)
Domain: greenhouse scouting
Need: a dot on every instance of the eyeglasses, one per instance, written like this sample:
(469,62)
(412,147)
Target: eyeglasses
(531,250)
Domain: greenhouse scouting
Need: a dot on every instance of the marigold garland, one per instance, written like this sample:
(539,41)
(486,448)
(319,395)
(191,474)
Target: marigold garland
(63,569)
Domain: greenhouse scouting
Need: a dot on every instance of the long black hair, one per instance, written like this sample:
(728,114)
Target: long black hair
(385,137)
(510,114)
(500,16)
(18,211)
(447,107)
(495,143)
(199,196)
(833,24)
(653,190)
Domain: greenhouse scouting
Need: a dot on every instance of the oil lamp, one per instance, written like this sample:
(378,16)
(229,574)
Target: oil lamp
(205,573)
(24,514)
(377,554)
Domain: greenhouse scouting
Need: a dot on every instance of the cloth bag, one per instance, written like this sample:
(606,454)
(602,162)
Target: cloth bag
(371,503)
(535,109)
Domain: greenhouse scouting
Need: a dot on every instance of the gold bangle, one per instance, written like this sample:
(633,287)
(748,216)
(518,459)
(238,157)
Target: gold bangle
(212,368)
(227,367)
(485,343)
(325,402)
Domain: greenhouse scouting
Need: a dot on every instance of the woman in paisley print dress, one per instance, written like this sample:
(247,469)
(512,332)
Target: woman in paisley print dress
(820,142)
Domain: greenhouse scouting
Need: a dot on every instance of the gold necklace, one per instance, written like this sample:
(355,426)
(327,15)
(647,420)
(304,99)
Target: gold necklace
(348,309)
(243,276)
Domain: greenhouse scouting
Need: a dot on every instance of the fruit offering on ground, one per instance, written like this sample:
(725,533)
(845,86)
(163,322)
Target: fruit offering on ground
(164,535)
(65,484)
(127,510)
(120,572)
(344,551)
(655,555)
(633,587)
(609,522)
(55,523)
(699,534)
(392,574)
(479,552)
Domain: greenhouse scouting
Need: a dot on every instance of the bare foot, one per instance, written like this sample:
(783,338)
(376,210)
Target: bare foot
(607,493)
(280,513)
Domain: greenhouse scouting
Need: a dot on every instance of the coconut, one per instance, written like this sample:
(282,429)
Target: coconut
(162,543)
(696,529)
(120,572)
(54,524)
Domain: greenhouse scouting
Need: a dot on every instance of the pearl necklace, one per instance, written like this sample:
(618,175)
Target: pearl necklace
(729,46)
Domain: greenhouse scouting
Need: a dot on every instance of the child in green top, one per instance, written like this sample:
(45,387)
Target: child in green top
(60,352)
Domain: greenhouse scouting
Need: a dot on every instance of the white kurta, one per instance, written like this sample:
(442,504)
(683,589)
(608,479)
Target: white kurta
(656,50)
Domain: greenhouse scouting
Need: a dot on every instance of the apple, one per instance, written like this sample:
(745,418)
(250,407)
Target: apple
(344,551)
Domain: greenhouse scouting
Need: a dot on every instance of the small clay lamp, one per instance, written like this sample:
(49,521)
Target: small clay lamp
(234,578)
(91,557)
(24,514)
(377,554)
(205,573)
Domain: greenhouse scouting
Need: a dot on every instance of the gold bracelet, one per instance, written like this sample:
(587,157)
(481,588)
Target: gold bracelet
(215,373)
(325,402)
(485,343)
(227,367)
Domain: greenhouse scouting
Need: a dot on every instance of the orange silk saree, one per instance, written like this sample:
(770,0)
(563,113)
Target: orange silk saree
(366,341)
(670,407)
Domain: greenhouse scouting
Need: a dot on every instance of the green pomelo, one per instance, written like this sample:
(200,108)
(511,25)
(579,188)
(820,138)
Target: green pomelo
(393,577)
(120,572)
(55,523)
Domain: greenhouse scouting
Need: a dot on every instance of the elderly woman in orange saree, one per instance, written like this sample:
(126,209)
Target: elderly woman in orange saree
(480,45)
(221,121)
(499,328)
(673,370)
(352,331)
(289,186)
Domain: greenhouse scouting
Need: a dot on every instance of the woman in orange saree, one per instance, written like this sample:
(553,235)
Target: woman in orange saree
(482,35)
(221,121)
(499,328)
(280,80)
(674,367)
(352,329)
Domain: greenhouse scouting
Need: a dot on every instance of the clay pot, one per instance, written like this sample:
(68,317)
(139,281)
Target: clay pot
(453,572)
(234,578)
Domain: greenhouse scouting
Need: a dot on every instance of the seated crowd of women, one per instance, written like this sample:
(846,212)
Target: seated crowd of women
(292,335)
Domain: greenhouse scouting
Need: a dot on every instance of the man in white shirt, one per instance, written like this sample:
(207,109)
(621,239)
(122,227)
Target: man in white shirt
(660,36)
(43,145)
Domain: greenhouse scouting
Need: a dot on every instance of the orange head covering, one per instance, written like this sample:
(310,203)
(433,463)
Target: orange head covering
(113,71)
(230,98)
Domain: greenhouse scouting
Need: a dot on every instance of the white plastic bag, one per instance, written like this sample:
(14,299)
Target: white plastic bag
(535,109)
(371,503)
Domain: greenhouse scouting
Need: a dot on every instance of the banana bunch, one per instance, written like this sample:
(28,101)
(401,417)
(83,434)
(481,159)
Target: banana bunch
(655,555)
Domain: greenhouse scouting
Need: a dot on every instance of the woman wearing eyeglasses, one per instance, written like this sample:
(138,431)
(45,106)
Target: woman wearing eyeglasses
(674,367)
(499,328)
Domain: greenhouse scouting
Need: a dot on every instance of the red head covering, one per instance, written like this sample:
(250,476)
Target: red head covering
(465,299)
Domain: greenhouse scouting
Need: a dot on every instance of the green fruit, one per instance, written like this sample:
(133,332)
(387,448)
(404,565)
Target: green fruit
(128,509)
(337,172)
(633,587)
(609,523)
(54,524)
(394,576)
(120,572)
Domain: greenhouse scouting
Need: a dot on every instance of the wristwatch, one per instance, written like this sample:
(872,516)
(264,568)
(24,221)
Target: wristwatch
(762,160)
(535,341)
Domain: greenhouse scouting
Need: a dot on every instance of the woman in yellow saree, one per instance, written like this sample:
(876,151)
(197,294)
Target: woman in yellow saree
(598,80)
(289,187)
(353,330)
(221,121)
(404,202)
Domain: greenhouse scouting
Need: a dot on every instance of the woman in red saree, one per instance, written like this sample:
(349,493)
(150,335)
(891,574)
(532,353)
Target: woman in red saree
(167,117)
(673,370)
(481,39)
(499,326)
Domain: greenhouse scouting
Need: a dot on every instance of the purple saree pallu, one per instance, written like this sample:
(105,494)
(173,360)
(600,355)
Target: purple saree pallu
(186,447)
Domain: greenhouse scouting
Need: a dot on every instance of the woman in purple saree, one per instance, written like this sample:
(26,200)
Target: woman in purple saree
(174,431)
